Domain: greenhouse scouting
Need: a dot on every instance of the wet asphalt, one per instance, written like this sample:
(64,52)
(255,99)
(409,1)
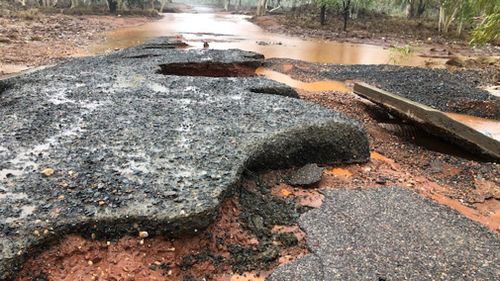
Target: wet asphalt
(391,234)
(109,145)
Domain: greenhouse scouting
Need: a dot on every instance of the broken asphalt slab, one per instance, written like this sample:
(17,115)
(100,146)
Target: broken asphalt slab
(391,234)
(109,145)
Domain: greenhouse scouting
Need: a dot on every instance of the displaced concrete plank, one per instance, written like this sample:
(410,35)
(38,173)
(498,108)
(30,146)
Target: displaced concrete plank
(433,121)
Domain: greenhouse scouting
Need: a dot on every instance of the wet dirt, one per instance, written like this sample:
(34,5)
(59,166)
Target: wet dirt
(458,180)
(254,232)
(376,29)
(47,38)
(406,156)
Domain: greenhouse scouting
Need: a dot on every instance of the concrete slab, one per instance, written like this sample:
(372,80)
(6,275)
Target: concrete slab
(110,145)
(394,234)
(433,121)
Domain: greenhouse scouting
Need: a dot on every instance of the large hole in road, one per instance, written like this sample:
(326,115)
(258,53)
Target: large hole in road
(209,69)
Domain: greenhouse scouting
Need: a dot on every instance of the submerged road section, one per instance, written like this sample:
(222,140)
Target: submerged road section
(149,138)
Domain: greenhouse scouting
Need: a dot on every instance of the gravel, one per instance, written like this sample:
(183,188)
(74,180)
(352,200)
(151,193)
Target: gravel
(438,88)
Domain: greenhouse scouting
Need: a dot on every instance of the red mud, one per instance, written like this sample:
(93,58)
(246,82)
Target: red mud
(159,258)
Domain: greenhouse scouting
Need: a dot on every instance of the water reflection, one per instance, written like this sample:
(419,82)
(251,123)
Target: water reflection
(318,86)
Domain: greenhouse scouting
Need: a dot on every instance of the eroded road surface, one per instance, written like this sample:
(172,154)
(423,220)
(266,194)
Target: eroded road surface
(152,140)
(104,143)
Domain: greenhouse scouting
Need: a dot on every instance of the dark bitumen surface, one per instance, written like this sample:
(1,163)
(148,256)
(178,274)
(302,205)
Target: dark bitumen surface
(307,268)
(134,149)
(393,234)
(438,88)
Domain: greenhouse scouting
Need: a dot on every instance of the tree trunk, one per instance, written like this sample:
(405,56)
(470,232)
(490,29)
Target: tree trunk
(421,8)
(113,6)
(410,9)
(322,15)
(226,5)
(261,7)
(446,17)
(347,6)
(74,3)
(162,6)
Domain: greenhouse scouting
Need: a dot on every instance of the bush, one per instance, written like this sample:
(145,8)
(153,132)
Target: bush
(29,14)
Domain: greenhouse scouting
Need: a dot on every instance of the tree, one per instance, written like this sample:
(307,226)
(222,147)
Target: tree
(415,8)
(346,9)
(322,14)
(487,31)
(261,7)
(489,28)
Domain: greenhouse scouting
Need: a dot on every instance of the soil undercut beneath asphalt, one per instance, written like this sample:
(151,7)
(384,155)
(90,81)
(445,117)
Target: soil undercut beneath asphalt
(255,231)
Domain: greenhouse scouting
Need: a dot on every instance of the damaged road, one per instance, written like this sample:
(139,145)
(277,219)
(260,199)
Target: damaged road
(111,144)
(391,234)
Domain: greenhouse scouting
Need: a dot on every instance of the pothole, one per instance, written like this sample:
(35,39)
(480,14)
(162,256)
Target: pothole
(255,231)
(209,69)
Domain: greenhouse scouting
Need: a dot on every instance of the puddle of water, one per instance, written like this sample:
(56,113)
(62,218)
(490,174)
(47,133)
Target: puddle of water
(226,31)
(488,127)
(494,90)
(318,86)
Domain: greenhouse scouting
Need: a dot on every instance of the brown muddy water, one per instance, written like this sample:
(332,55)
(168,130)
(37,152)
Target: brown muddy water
(490,128)
(317,86)
(227,31)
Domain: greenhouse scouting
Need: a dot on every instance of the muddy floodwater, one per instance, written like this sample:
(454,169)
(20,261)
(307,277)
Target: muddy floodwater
(487,127)
(317,86)
(227,31)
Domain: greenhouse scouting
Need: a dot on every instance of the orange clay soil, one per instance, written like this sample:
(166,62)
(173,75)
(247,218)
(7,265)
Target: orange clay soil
(205,255)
